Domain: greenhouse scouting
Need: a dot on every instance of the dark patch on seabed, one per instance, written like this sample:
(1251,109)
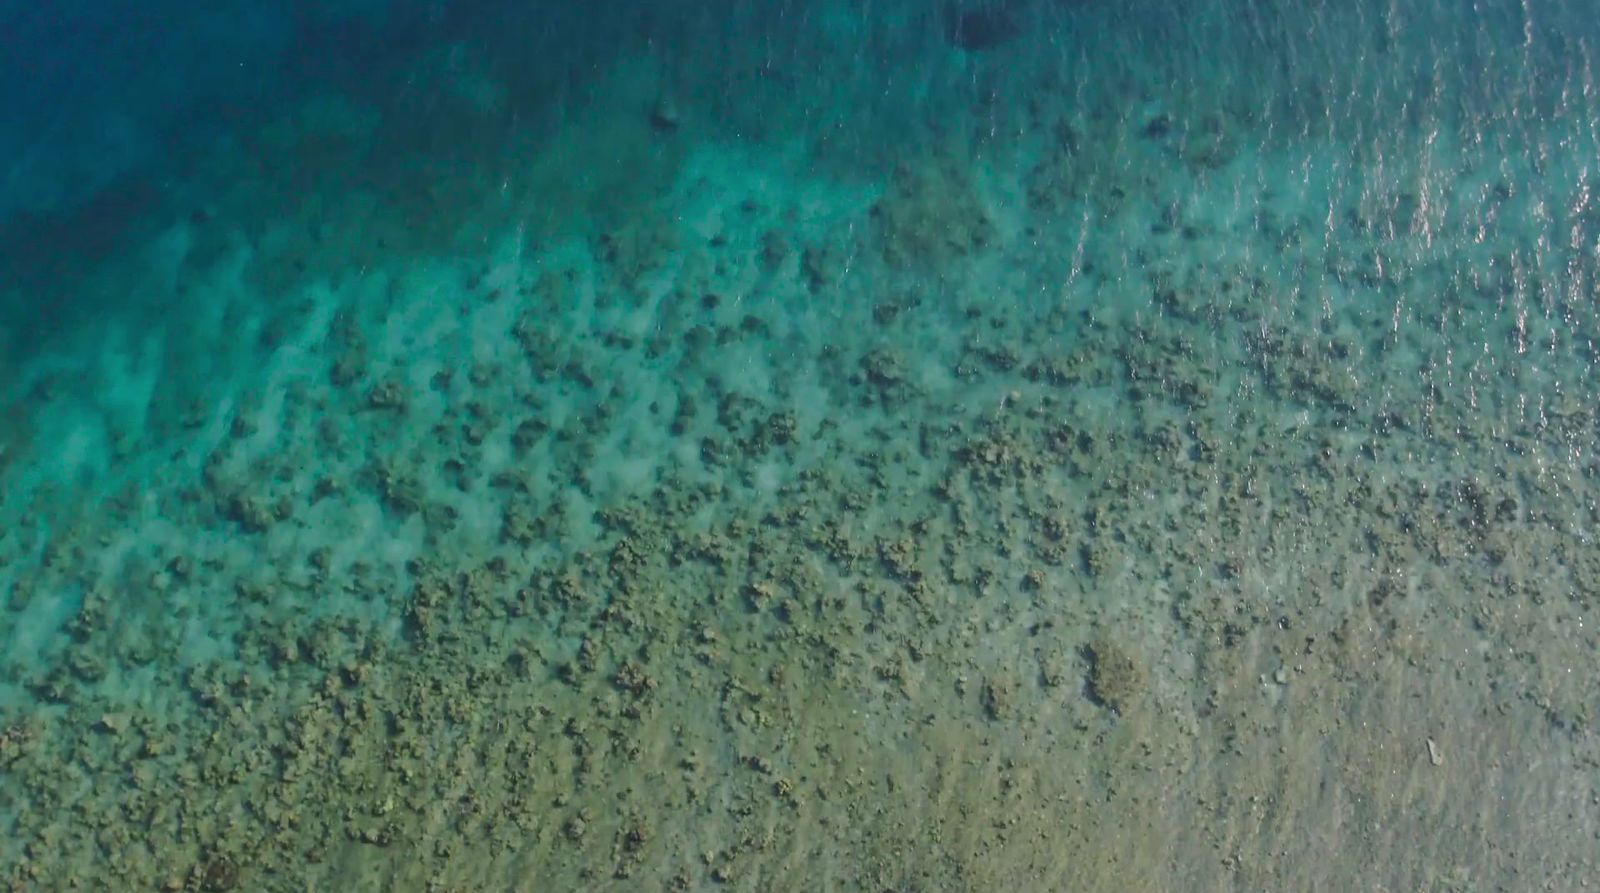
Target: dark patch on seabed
(981,27)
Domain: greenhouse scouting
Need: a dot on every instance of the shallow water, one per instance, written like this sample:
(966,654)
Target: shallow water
(1023,444)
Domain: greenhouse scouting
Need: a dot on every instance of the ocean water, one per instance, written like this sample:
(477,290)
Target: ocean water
(1056,445)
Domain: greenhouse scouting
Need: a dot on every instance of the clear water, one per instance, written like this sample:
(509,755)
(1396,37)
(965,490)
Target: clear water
(1005,444)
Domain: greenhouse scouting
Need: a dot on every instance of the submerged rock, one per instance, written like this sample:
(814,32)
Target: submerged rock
(1115,677)
(982,27)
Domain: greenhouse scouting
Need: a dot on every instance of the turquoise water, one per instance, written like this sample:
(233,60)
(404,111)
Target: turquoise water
(1002,444)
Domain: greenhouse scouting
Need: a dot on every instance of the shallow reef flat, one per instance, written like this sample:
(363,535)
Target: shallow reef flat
(1129,498)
